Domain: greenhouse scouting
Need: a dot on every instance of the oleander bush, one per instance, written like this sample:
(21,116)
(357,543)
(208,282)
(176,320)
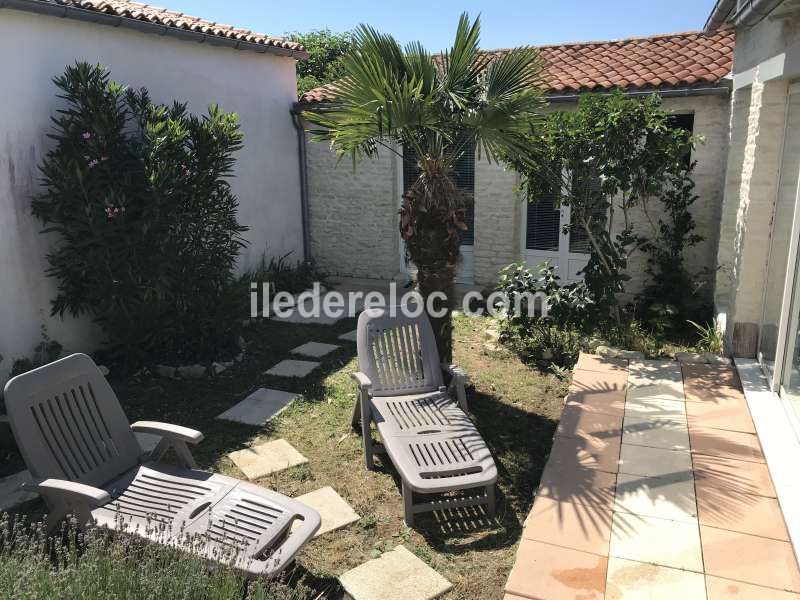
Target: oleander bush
(140,198)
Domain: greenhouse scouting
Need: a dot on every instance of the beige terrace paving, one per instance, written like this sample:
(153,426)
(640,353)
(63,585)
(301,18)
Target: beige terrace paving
(656,487)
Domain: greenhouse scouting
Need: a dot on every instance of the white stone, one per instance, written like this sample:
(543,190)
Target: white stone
(350,336)
(334,510)
(292,368)
(11,493)
(716,359)
(630,354)
(259,407)
(658,541)
(607,352)
(654,462)
(690,357)
(669,497)
(192,372)
(671,434)
(165,371)
(395,575)
(217,368)
(259,461)
(314,349)
(631,580)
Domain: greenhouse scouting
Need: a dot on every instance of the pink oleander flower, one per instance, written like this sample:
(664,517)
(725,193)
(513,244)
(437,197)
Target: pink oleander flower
(86,135)
(93,163)
(112,212)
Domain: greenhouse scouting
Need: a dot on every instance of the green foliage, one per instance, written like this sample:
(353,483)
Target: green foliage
(436,107)
(551,337)
(282,274)
(148,237)
(96,564)
(46,351)
(711,337)
(610,156)
(670,282)
(324,65)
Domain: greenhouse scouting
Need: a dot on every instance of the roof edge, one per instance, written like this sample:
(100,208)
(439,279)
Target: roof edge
(101,18)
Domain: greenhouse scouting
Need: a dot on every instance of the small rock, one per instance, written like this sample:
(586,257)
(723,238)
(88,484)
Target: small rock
(165,371)
(241,343)
(192,371)
(716,359)
(217,368)
(227,363)
(630,354)
(492,334)
(607,352)
(239,357)
(690,357)
(103,370)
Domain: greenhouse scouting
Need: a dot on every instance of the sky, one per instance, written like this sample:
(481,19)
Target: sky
(504,23)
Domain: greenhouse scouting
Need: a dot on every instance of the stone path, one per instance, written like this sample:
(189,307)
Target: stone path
(259,461)
(292,368)
(656,487)
(395,575)
(259,407)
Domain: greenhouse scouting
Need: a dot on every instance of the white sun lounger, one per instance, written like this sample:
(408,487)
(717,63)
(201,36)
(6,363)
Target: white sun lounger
(425,431)
(85,461)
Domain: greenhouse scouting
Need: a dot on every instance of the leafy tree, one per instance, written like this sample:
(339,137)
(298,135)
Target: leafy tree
(148,237)
(392,97)
(612,155)
(324,64)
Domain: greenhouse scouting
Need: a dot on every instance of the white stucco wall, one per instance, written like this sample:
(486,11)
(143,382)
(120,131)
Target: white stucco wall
(259,87)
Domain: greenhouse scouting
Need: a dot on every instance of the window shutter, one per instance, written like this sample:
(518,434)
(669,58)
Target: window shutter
(464,178)
(685,122)
(542,225)
(578,240)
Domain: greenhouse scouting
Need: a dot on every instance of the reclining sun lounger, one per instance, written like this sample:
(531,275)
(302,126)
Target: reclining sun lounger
(86,461)
(425,431)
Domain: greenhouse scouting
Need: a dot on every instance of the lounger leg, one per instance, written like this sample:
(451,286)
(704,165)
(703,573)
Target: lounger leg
(184,454)
(490,504)
(356,413)
(408,504)
(366,434)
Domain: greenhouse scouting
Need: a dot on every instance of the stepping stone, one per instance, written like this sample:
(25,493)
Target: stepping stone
(260,461)
(314,349)
(259,407)
(350,336)
(292,368)
(334,510)
(11,494)
(395,575)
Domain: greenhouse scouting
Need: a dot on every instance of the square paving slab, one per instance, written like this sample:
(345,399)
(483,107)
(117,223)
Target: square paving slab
(654,462)
(395,575)
(557,573)
(292,368)
(671,434)
(314,349)
(259,407)
(583,527)
(334,510)
(668,497)
(350,336)
(725,444)
(728,589)
(631,580)
(659,541)
(260,461)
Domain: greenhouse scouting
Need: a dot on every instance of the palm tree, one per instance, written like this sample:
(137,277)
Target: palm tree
(437,107)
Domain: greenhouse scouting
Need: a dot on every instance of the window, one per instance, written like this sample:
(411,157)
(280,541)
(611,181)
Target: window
(578,240)
(464,177)
(685,122)
(542,226)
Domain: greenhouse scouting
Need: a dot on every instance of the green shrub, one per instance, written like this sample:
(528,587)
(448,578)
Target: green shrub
(96,564)
(148,236)
(554,338)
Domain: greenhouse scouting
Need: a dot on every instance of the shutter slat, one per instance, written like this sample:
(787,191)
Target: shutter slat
(542,224)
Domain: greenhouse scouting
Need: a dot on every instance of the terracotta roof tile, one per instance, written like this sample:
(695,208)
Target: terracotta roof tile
(661,61)
(170,18)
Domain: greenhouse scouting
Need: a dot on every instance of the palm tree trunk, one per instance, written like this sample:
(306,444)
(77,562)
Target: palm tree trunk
(430,280)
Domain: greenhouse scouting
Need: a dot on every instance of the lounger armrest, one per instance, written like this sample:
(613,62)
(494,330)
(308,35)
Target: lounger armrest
(70,491)
(458,382)
(173,432)
(295,541)
(362,380)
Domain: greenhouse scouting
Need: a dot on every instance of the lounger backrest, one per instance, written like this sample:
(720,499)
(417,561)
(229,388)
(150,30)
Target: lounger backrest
(69,424)
(398,353)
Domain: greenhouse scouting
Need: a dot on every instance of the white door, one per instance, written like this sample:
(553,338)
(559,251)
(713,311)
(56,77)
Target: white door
(544,239)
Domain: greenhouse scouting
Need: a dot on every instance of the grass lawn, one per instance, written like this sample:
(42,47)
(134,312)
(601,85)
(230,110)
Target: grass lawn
(514,407)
